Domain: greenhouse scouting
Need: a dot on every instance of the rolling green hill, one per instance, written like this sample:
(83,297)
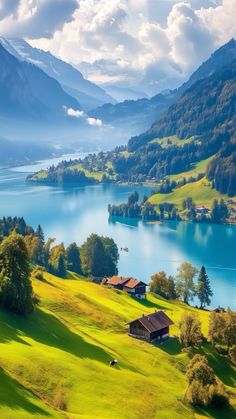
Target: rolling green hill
(201,192)
(59,358)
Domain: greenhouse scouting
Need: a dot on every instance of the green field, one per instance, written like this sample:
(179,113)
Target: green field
(59,358)
(196,169)
(200,191)
(172,140)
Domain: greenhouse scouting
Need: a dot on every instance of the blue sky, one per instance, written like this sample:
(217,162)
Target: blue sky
(142,44)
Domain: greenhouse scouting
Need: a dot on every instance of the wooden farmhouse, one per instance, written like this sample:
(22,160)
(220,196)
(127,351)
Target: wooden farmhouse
(151,327)
(130,285)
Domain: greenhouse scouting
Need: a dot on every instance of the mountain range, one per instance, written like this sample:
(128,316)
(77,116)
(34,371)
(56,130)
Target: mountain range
(141,113)
(43,98)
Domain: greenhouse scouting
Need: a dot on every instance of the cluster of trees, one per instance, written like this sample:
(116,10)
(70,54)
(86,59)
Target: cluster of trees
(132,209)
(222,332)
(18,224)
(222,169)
(21,246)
(218,213)
(144,209)
(98,256)
(163,285)
(183,286)
(168,211)
(204,388)
(64,176)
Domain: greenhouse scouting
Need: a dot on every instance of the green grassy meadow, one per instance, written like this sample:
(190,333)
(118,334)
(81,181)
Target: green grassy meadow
(55,363)
(200,191)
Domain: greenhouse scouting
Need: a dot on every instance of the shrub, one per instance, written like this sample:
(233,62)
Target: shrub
(222,349)
(60,400)
(204,388)
(232,354)
(190,330)
(38,274)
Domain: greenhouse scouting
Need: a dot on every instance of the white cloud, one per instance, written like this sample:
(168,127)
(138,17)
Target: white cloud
(144,44)
(74,112)
(34,18)
(94,122)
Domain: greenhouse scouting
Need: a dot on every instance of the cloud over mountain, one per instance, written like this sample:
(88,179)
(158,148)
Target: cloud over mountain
(145,43)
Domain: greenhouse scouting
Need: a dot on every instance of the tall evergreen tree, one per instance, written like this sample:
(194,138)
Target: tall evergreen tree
(203,288)
(15,285)
(40,257)
(73,258)
(61,266)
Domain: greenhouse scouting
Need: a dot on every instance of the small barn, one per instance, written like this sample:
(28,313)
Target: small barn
(130,285)
(154,326)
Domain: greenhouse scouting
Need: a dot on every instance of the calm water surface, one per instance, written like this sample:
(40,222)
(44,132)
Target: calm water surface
(72,213)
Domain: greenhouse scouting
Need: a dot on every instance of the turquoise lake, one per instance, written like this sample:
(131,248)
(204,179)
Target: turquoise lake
(72,213)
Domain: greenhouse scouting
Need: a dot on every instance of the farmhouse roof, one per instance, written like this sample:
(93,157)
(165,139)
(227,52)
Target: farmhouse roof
(155,321)
(127,282)
(117,280)
(132,283)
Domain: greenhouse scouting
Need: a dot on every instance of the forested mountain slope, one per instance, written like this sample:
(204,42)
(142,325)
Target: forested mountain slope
(143,112)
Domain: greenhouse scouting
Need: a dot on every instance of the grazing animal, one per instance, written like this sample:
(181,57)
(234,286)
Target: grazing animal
(113,362)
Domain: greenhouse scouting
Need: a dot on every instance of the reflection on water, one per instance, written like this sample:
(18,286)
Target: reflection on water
(71,214)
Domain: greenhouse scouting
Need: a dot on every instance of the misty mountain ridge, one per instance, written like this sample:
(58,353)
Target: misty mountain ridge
(141,113)
(87,93)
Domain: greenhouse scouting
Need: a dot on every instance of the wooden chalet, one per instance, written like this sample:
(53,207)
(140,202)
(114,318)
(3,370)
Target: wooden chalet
(130,285)
(154,326)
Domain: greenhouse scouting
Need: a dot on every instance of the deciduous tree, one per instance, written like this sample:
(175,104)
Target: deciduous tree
(190,330)
(185,285)
(15,283)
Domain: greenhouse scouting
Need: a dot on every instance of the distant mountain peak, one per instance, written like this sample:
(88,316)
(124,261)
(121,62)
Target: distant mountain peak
(71,79)
(222,57)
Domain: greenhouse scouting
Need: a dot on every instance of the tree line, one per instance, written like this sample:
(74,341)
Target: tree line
(183,286)
(22,248)
(204,388)
(145,210)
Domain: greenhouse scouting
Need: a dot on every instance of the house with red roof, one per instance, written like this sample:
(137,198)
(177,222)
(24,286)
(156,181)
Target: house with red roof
(130,285)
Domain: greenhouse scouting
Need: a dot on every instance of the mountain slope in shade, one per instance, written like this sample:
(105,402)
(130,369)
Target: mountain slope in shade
(87,93)
(28,91)
(16,98)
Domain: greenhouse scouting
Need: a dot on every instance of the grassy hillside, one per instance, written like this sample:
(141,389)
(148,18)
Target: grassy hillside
(200,191)
(59,357)
(196,169)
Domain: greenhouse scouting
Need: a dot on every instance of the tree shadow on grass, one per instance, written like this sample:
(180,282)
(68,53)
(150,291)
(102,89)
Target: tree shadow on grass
(171,346)
(149,304)
(221,364)
(227,412)
(47,329)
(12,394)
(9,332)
